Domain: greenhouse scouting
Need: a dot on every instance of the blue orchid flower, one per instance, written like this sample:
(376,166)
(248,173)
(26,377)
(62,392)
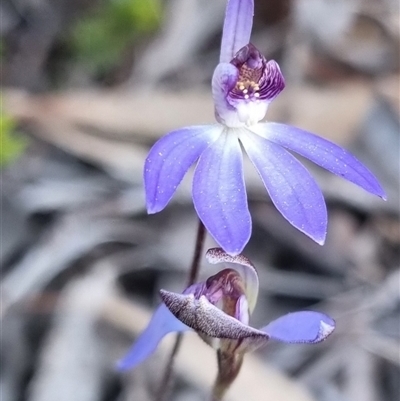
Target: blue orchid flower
(219,310)
(243,85)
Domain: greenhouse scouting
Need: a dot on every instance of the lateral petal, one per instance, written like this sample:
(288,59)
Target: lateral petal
(301,327)
(290,186)
(162,323)
(219,193)
(169,160)
(237,28)
(322,152)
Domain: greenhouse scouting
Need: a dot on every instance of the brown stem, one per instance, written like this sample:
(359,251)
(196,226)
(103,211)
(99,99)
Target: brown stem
(229,364)
(166,381)
(198,249)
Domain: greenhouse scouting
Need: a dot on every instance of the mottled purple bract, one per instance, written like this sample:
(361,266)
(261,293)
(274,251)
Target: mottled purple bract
(219,308)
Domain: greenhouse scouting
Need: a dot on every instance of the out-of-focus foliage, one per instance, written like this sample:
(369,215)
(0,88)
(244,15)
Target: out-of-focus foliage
(99,39)
(11,146)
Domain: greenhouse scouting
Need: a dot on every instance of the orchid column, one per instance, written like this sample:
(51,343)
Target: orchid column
(244,83)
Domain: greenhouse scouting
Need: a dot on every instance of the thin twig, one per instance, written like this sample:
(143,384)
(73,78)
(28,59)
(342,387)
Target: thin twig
(194,268)
(166,381)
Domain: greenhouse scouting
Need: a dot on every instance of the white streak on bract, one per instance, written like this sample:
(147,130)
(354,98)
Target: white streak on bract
(242,310)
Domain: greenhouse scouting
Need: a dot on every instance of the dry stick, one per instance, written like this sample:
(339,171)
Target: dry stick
(166,382)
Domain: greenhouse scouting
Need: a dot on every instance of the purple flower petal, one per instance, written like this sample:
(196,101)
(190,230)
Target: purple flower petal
(322,152)
(219,194)
(245,268)
(237,27)
(169,160)
(204,317)
(162,323)
(301,327)
(290,186)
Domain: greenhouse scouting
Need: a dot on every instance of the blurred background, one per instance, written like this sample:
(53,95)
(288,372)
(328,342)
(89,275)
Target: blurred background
(87,87)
